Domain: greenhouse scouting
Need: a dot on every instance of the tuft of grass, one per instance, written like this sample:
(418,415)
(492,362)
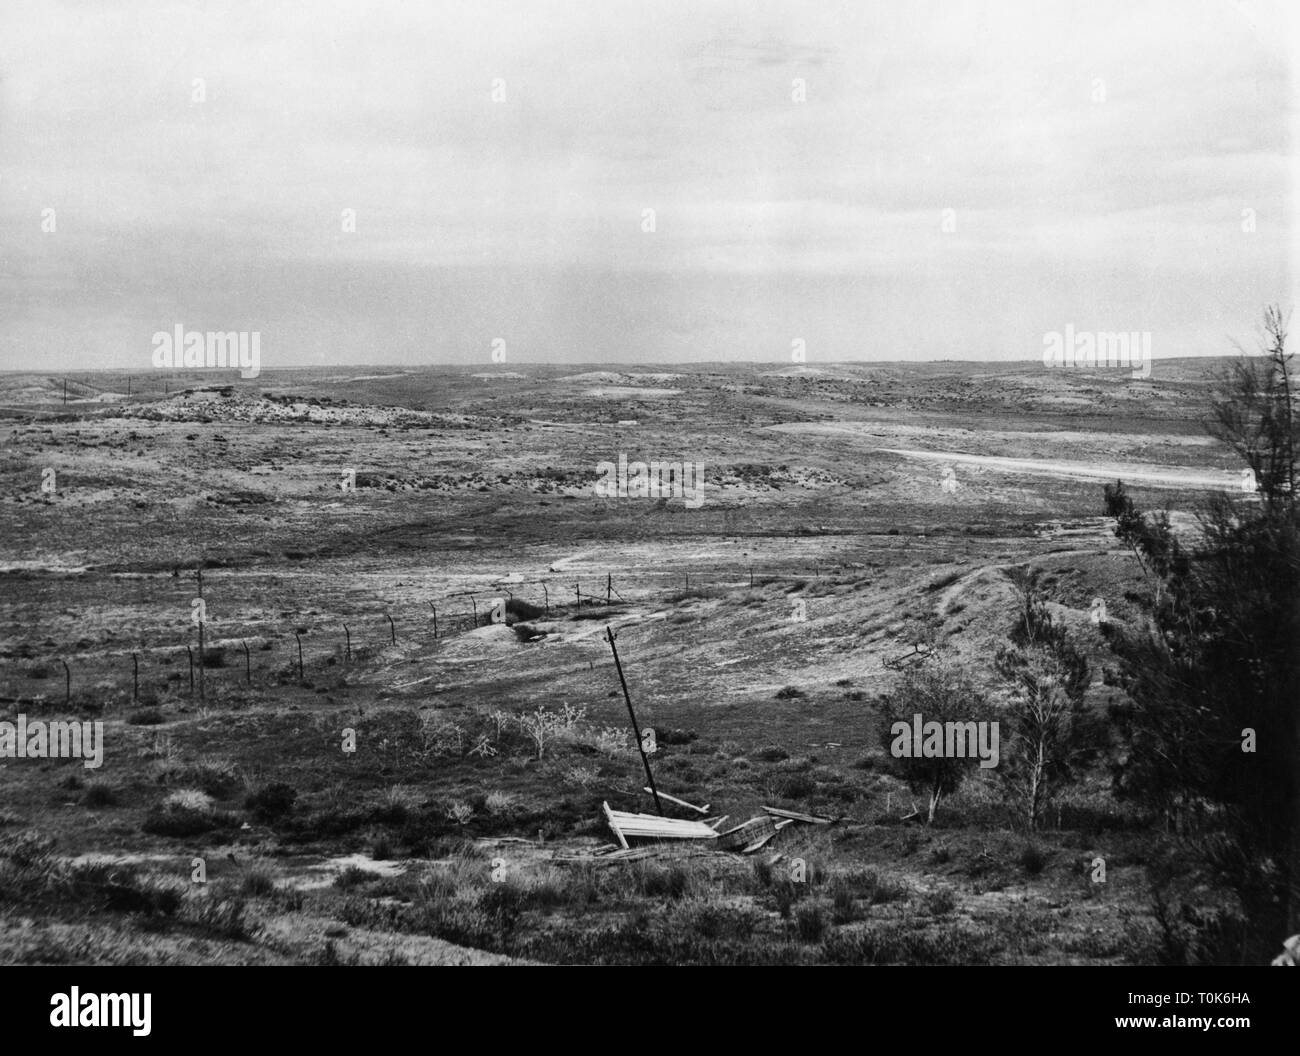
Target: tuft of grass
(225,918)
(257,882)
(217,777)
(940,902)
(810,922)
(785,894)
(844,902)
(903,942)
(498,803)
(186,812)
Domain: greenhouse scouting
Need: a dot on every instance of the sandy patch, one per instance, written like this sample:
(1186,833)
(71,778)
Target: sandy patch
(1154,476)
(624,392)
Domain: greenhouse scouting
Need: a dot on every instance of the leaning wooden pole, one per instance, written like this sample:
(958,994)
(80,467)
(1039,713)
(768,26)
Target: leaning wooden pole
(636,729)
(202,619)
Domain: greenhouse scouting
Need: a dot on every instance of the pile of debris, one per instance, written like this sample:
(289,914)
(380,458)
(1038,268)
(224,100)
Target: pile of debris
(746,837)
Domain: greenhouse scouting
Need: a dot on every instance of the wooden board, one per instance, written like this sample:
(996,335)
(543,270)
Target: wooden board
(811,819)
(680,802)
(609,816)
(653,827)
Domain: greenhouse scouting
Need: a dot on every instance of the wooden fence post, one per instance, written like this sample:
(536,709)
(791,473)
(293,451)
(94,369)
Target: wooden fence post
(203,613)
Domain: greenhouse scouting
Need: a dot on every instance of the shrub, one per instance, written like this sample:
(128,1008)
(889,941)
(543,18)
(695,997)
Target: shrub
(516,610)
(797,786)
(215,777)
(940,902)
(146,717)
(271,802)
(1033,859)
(655,881)
(99,795)
(355,876)
(498,803)
(674,736)
(186,812)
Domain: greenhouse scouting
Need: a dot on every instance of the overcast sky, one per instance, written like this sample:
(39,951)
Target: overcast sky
(1097,159)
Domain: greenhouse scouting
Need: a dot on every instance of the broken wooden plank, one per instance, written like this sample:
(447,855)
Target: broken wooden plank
(758,844)
(633,821)
(714,823)
(764,836)
(794,815)
(745,834)
(609,816)
(680,802)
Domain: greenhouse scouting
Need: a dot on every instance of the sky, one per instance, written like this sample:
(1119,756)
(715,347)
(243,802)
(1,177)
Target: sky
(662,181)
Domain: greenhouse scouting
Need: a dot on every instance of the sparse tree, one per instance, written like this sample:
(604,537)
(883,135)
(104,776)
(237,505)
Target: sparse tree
(940,694)
(1253,412)
(1048,730)
(542,726)
(1212,730)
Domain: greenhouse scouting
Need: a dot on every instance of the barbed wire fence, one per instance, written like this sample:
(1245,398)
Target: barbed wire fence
(444,621)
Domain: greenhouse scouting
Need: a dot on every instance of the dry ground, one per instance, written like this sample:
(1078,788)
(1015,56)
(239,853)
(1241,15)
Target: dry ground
(444,838)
